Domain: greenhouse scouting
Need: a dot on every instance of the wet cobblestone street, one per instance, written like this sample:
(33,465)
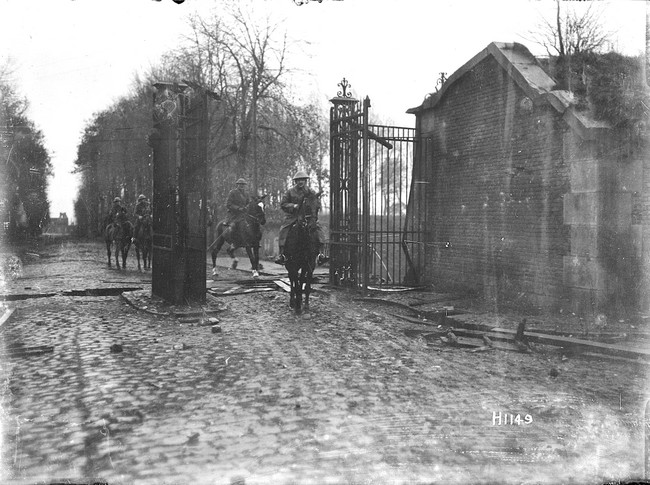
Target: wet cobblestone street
(341,394)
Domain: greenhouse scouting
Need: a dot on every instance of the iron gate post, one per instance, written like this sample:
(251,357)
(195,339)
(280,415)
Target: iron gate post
(365,193)
(343,185)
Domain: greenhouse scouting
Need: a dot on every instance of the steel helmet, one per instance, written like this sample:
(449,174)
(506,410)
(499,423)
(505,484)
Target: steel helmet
(117,199)
(141,196)
(300,175)
(241,181)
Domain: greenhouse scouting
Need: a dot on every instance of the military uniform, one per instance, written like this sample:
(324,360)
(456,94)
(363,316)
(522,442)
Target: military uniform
(141,209)
(236,204)
(291,201)
(115,209)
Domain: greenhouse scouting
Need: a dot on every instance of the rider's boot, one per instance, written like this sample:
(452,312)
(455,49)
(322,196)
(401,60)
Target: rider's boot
(282,258)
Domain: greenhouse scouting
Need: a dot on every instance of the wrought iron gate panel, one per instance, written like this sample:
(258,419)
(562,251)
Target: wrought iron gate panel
(345,216)
(179,146)
(377,206)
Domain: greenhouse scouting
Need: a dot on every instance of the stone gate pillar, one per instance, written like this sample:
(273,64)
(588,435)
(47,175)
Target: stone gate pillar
(179,142)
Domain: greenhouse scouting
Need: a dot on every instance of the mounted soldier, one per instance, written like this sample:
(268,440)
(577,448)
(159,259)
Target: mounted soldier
(142,208)
(115,209)
(236,203)
(291,202)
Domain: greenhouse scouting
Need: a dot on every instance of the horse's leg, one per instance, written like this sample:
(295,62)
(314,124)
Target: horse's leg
(256,261)
(125,252)
(308,275)
(137,256)
(293,277)
(297,284)
(251,255)
(231,252)
(215,251)
(117,254)
(108,252)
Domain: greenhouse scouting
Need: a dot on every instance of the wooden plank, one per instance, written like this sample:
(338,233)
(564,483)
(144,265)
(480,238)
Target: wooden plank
(414,320)
(282,285)
(495,336)
(27,351)
(475,343)
(613,358)
(586,345)
(7,314)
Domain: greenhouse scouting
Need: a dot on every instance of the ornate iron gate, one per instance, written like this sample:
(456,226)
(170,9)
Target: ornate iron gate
(179,192)
(377,205)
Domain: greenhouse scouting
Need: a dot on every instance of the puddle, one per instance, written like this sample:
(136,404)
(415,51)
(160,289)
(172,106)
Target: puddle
(100,291)
(87,292)
(25,296)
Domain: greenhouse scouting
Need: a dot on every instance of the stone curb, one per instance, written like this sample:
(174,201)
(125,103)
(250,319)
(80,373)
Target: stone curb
(126,298)
(181,314)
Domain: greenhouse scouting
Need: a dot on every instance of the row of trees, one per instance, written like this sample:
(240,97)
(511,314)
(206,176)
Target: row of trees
(24,165)
(257,130)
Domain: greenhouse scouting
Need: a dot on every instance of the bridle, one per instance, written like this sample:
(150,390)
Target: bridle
(251,216)
(305,219)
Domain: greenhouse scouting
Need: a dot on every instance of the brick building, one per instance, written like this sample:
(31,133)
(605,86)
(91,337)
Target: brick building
(530,201)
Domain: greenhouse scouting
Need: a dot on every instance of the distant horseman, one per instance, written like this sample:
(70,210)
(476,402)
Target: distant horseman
(142,208)
(236,203)
(115,209)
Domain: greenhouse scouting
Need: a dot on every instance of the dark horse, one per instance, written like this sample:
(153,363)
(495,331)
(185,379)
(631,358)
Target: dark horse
(143,241)
(247,233)
(301,251)
(119,234)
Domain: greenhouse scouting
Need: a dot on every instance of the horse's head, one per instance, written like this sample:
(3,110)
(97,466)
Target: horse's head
(120,217)
(255,209)
(310,208)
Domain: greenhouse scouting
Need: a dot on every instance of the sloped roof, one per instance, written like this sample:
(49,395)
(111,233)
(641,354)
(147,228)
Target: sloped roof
(529,75)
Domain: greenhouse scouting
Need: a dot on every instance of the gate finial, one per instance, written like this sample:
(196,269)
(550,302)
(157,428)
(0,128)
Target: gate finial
(344,86)
(441,80)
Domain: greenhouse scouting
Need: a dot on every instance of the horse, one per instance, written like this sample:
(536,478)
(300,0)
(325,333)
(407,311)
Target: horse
(143,238)
(118,233)
(301,251)
(247,233)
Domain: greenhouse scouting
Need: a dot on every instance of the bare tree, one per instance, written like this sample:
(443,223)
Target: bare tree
(575,28)
(244,60)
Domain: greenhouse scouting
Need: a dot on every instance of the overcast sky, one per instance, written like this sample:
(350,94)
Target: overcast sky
(73,58)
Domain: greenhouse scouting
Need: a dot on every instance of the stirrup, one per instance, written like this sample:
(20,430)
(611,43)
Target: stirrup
(322,259)
(282,260)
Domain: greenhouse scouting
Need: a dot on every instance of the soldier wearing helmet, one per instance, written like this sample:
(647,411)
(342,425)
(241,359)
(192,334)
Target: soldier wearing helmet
(236,203)
(142,208)
(115,209)
(291,201)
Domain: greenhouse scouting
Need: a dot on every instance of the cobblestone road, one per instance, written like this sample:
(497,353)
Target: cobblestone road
(342,394)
